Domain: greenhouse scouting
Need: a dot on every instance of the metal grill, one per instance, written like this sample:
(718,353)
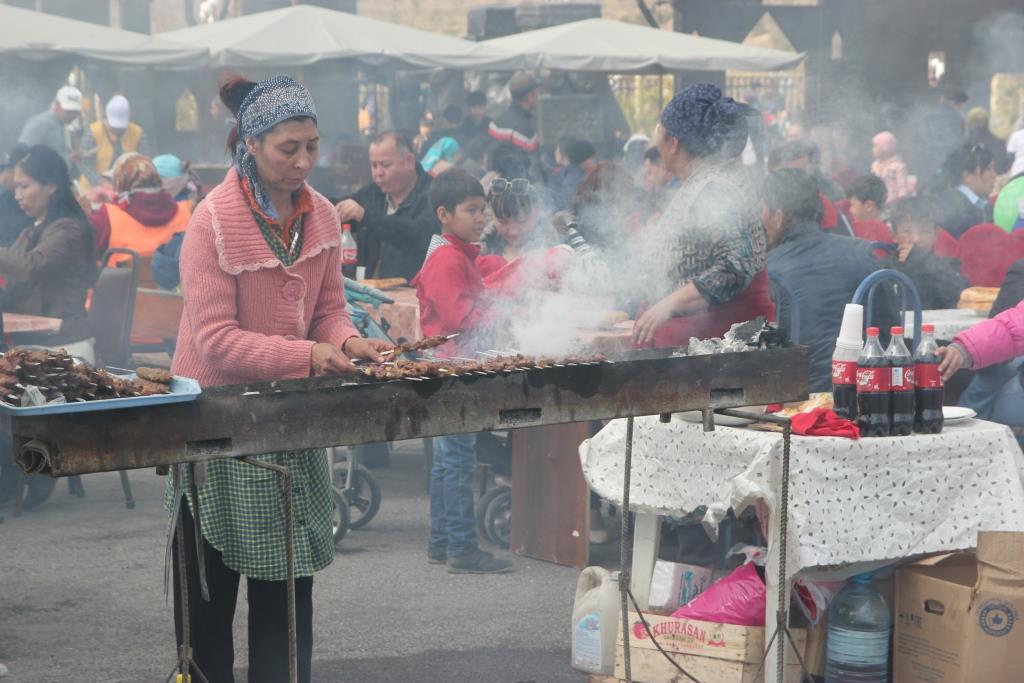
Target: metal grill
(239,420)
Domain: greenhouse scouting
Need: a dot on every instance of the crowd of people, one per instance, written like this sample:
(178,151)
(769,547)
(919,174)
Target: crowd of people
(684,233)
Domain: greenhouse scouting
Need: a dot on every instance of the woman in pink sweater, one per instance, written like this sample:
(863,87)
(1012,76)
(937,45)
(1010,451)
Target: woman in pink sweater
(264,300)
(987,343)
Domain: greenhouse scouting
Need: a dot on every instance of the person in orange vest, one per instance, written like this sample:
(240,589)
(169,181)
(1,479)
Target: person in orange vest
(144,214)
(114,135)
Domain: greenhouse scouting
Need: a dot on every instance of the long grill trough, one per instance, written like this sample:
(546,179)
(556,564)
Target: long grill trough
(239,420)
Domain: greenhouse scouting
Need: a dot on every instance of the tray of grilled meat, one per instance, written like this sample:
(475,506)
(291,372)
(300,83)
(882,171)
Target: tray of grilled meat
(41,382)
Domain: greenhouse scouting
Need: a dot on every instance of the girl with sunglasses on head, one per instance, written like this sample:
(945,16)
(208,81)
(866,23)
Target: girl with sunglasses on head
(520,244)
(515,206)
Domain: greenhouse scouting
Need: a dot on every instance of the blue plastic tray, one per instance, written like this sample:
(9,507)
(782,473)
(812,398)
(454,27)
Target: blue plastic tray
(183,390)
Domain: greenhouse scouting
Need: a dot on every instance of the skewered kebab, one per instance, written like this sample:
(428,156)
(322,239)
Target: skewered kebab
(422,369)
(47,375)
(421,345)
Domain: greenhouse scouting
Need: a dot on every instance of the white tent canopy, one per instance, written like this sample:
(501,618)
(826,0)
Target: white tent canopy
(602,45)
(306,34)
(40,36)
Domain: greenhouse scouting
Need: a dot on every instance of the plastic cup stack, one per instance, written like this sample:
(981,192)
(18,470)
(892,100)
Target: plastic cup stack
(851,331)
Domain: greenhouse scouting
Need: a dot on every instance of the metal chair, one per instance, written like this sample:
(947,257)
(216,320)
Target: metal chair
(113,308)
(110,321)
(784,297)
(903,285)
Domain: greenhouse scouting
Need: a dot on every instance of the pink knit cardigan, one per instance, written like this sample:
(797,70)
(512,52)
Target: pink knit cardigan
(247,317)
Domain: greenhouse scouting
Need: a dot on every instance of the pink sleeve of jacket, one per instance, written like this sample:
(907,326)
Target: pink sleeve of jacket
(996,340)
(210,305)
(331,323)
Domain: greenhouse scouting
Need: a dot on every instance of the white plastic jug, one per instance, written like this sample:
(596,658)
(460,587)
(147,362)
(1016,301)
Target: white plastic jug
(595,617)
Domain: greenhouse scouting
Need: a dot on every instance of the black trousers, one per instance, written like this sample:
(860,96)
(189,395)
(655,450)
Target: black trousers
(211,622)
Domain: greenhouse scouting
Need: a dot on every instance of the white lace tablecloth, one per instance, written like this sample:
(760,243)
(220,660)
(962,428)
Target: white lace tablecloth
(948,322)
(850,501)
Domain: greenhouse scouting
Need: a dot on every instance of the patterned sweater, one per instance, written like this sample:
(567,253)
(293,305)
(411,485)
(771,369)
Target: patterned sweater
(710,234)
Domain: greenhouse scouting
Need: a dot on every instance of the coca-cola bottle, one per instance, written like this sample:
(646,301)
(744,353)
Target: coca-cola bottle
(873,378)
(928,383)
(844,379)
(349,252)
(901,387)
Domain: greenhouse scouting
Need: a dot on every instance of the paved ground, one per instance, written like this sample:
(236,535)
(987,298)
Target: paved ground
(81,597)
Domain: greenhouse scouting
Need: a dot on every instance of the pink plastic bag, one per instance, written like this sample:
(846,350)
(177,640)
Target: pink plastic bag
(738,598)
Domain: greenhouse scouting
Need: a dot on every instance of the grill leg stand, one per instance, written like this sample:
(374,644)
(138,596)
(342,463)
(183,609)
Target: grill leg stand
(626,550)
(779,589)
(185,661)
(289,531)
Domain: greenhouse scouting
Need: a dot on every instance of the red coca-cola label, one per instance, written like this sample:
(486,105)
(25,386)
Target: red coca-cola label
(873,380)
(902,378)
(350,256)
(926,376)
(844,372)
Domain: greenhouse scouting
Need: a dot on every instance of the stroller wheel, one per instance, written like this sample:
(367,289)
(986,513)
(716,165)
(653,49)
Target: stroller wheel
(364,497)
(494,516)
(339,515)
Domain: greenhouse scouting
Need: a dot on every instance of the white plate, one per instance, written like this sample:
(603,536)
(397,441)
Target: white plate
(695,417)
(954,414)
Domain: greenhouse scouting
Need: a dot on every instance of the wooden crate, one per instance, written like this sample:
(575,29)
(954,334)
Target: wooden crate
(711,653)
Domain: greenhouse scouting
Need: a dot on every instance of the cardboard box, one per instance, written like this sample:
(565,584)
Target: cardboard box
(719,653)
(674,584)
(958,617)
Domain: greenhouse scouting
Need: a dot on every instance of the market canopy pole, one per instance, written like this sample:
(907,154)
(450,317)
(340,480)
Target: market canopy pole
(305,34)
(602,45)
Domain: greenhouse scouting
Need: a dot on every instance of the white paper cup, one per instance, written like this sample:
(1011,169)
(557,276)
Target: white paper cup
(360,272)
(853,324)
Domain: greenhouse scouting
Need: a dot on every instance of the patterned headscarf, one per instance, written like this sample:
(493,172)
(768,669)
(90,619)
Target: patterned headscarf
(706,122)
(272,101)
(132,172)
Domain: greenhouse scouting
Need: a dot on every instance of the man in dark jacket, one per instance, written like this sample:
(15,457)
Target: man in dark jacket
(477,122)
(937,279)
(971,175)
(822,269)
(517,124)
(391,216)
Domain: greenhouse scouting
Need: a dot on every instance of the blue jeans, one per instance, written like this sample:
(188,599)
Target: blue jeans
(452,522)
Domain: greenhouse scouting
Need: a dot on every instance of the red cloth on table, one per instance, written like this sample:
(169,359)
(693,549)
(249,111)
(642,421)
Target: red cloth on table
(754,301)
(824,422)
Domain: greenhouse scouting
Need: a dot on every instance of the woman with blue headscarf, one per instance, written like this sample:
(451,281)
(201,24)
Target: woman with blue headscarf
(264,300)
(705,260)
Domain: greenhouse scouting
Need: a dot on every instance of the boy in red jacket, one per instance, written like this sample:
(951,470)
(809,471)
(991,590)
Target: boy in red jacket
(451,296)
